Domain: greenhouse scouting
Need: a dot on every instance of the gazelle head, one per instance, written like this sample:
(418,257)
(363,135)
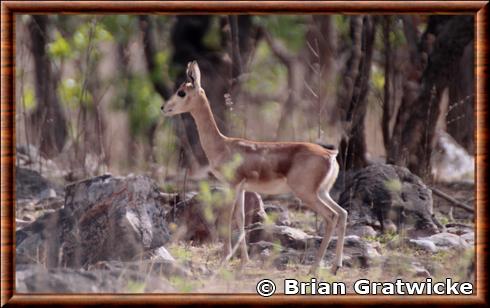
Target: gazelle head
(185,98)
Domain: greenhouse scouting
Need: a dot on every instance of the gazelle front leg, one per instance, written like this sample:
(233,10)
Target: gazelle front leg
(240,219)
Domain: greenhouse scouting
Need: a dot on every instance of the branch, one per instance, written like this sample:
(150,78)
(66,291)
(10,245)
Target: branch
(455,202)
(387,95)
(412,37)
(235,48)
(352,66)
(278,49)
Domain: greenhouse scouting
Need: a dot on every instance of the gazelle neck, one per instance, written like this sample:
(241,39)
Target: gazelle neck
(212,141)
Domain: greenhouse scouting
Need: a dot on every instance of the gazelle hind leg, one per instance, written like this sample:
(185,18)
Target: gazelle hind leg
(330,220)
(341,226)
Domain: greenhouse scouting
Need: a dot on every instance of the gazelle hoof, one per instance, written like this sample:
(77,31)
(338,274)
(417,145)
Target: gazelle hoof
(335,268)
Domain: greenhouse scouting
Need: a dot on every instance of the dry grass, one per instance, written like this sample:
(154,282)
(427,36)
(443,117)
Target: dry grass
(394,263)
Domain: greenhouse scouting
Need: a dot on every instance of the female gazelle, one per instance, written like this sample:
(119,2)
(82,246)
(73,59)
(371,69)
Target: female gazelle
(308,170)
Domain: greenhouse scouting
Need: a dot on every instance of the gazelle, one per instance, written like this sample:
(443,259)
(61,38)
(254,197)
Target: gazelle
(308,170)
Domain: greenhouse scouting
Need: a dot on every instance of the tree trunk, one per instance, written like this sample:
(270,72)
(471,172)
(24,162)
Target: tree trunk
(353,144)
(47,121)
(460,121)
(415,126)
(387,108)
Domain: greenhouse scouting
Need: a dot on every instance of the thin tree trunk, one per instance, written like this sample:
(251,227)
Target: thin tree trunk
(385,124)
(355,152)
(48,122)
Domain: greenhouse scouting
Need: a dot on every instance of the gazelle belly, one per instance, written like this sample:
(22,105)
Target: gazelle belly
(272,187)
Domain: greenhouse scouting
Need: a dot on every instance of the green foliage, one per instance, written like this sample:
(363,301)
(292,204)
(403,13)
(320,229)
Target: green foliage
(213,199)
(228,169)
(393,185)
(121,27)
(341,22)
(443,220)
(388,237)
(291,29)
(28,98)
(166,143)
(397,37)
(268,75)
(144,105)
(86,32)
(377,78)
(135,286)
(70,93)
(180,253)
(212,38)
(225,274)
(183,285)
(60,48)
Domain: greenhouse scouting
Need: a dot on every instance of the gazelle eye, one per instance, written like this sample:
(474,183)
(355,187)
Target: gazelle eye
(181,93)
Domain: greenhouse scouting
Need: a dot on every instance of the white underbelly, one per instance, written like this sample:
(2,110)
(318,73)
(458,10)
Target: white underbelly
(274,187)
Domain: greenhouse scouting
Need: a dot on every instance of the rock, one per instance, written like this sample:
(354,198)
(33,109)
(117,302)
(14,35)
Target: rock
(288,237)
(37,279)
(29,184)
(279,214)
(446,240)
(35,195)
(426,245)
(450,161)
(200,222)
(41,241)
(419,271)
(156,268)
(299,247)
(31,209)
(263,248)
(440,241)
(104,218)
(357,253)
(458,228)
(362,231)
(469,238)
(28,157)
(382,192)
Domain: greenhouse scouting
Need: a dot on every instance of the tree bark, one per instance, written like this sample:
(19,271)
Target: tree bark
(387,108)
(353,144)
(460,122)
(47,121)
(414,130)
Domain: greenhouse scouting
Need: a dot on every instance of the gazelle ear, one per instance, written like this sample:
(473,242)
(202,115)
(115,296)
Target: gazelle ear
(194,74)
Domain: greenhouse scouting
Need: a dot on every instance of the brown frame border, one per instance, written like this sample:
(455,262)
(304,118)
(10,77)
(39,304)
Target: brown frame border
(10,8)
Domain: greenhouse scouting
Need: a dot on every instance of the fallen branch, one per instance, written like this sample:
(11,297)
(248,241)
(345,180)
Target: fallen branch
(455,202)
